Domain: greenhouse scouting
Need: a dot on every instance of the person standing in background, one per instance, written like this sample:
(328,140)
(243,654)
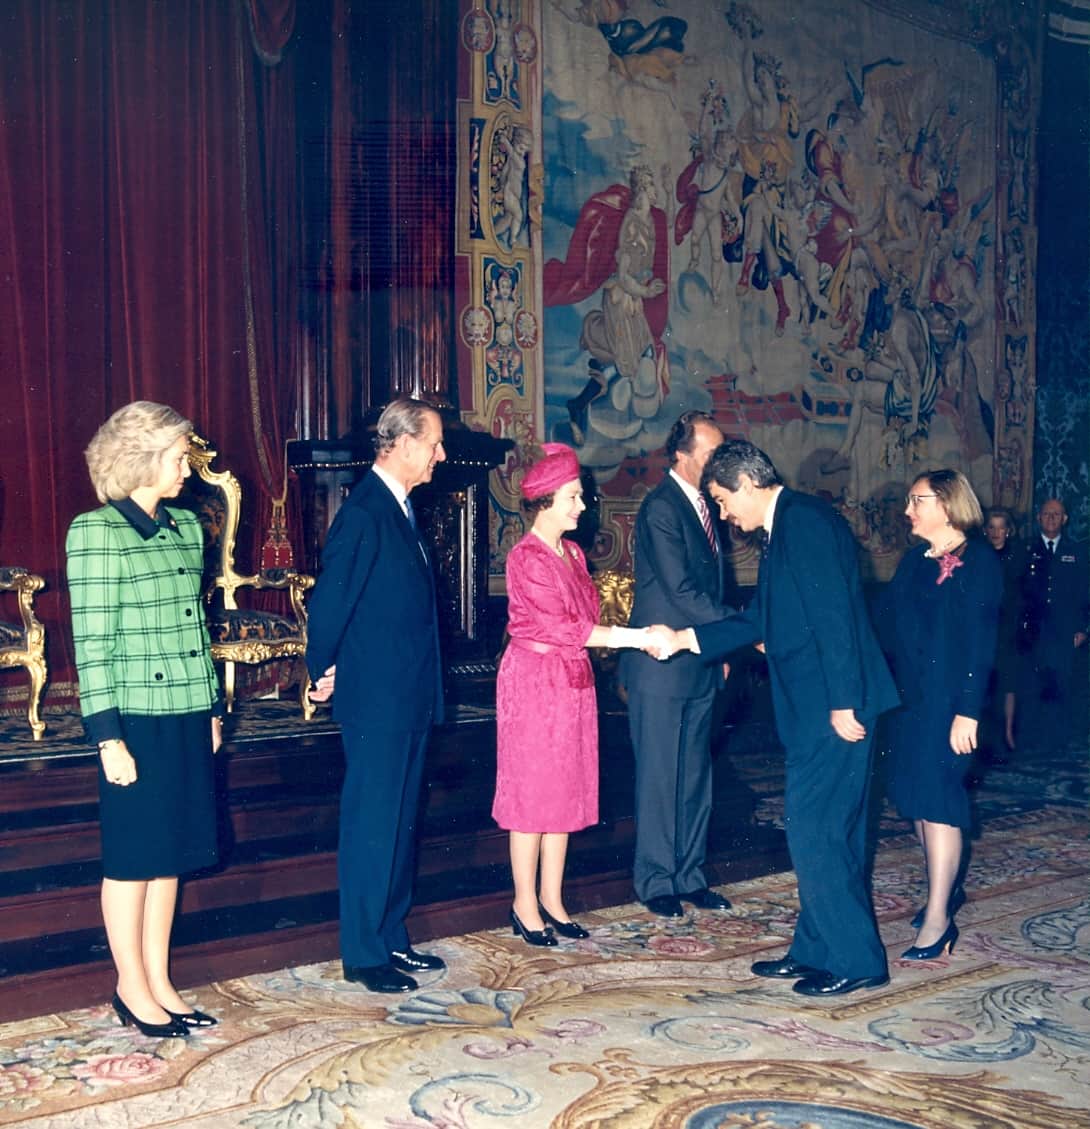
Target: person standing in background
(1000,532)
(1056,610)
(679,581)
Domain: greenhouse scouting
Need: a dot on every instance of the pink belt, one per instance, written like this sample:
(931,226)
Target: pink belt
(538,648)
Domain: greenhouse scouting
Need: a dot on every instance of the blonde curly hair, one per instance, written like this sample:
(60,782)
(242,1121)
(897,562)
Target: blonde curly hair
(126,450)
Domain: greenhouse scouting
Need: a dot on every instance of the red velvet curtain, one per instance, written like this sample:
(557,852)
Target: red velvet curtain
(148,246)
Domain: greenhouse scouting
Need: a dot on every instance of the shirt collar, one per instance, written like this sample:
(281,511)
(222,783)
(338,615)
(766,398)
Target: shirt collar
(688,489)
(391,484)
(146,526)
(770,513)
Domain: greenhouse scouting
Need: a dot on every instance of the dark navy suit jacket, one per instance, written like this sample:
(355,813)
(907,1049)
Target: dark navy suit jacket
(811,614)
(679,582)
(372,613)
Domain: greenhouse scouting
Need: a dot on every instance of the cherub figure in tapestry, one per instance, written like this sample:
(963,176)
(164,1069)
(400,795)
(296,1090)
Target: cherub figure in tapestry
(710,214)
(619,246)
(511,184)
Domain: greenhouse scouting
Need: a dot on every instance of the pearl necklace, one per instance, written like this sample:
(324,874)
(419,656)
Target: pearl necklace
(558,549)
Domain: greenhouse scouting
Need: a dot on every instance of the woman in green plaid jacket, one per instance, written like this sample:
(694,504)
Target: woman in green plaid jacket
(149,698)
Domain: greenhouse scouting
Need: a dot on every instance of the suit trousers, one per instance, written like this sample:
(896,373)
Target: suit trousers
(377,843)
(825,816)
(671,739)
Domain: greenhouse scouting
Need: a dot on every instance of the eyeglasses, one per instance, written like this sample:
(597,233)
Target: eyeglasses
(914,500)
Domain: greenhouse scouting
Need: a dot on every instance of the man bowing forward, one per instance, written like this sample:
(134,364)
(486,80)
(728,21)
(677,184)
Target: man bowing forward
(829,684)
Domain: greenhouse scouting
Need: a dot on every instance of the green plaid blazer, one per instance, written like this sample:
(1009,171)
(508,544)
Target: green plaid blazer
(142,644)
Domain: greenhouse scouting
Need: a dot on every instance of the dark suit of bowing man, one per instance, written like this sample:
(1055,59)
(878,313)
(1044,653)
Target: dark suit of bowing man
(829,684)
(372,618)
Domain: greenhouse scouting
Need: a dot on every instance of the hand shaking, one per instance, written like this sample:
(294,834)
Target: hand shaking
(664,642)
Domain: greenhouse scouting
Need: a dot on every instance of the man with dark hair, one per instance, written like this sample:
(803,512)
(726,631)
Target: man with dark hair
(1055,615)
(679,580)
(829,684)
(373,627)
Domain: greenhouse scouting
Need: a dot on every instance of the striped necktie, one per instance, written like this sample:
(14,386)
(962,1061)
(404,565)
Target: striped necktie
(706,521)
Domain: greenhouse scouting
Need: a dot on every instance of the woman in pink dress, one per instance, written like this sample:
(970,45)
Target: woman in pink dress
(546,710)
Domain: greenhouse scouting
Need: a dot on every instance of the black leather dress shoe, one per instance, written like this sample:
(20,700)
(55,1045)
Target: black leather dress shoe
(786,968)
(706,899)
(826,984)
(665,905)
(412,961)
(380,978)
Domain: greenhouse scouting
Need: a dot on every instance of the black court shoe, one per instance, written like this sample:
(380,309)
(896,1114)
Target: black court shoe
(945,944)
(175,1029)
(570,929)
(194,1018)
(543,938)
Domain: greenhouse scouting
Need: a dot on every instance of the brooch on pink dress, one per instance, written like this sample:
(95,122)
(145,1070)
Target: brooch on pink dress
(947,563)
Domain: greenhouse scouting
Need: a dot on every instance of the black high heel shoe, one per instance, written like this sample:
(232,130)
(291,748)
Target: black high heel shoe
(929,952)
(957,900)
(540,937)
(175,1029)
(570,929)
(193,1018)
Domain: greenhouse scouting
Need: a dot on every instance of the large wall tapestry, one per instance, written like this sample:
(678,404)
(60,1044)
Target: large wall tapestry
(812,220)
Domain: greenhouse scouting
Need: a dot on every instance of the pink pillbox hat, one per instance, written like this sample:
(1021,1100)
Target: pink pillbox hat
(559,465)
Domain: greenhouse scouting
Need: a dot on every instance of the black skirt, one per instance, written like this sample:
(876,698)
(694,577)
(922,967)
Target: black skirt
(164,824)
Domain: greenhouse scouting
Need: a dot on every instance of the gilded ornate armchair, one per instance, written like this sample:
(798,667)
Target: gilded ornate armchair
(24,645)
(241,635)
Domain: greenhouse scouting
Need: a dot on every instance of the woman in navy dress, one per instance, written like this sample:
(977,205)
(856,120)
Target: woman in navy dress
(940,614)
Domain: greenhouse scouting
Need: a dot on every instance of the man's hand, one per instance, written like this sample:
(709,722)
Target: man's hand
(963,734)
(322,690)
(1080,638)
(846,726)
(664,642)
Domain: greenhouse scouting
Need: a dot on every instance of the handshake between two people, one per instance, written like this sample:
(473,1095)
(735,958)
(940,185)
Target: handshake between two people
(659,641)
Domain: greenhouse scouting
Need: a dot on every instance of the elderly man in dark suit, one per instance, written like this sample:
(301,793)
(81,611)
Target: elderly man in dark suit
(1056,609)
(372,621)
(829,684)
(679,581)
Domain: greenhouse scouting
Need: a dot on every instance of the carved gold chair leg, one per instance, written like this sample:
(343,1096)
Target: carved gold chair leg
(305,703)
(38,673)
(229,686)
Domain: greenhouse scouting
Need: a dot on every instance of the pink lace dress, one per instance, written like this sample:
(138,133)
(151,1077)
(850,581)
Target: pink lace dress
(546,709)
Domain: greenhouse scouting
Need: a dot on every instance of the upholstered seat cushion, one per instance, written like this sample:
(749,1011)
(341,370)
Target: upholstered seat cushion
(11,636)
(243,625)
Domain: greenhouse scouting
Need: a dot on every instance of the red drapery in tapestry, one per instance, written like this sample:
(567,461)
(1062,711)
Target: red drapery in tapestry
(148,248)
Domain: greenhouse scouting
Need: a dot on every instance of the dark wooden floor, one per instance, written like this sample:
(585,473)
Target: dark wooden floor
(272,902)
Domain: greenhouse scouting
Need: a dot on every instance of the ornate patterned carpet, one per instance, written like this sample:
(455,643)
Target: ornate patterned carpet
(647,1023)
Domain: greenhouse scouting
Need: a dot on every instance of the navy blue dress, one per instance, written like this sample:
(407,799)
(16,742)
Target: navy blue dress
(941,638)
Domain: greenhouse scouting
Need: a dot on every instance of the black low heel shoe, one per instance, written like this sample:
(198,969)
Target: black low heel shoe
(957,900)
(540,937)
(570,929)
(175,1029)
(929,952)
(194,1019)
